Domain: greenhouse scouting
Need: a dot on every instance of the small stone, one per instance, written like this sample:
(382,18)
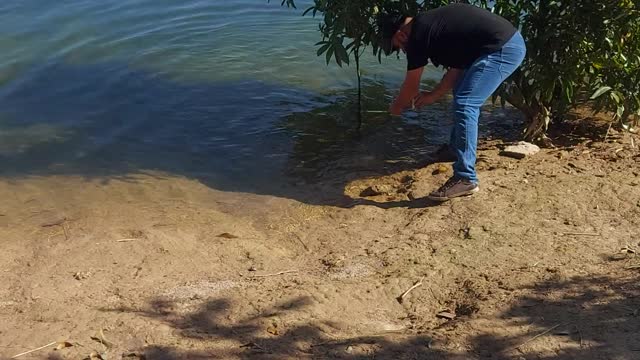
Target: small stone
(466,233)
(441,169)
(253,268)
(349,349)
(520,150)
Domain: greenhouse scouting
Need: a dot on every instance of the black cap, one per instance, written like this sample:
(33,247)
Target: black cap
(388,25)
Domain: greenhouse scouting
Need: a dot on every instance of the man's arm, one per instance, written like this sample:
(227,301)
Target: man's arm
(409,90)
(448,82)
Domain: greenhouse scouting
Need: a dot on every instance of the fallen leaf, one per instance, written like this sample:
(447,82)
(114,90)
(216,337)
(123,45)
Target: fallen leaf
(251,345)
(102,341)
(446,315)
(627,250)
(562,333)
(81,275)
(63,344)
(95,356)
(134,355)
(406,179)
(227,236)
(54,222)
(273,329)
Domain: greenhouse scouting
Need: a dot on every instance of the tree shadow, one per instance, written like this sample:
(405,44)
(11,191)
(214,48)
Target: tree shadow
(580,318)
(107,121)
(254,340)
(579,126)
(588,317)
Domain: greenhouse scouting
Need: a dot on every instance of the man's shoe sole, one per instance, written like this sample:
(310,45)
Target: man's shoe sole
(443,199)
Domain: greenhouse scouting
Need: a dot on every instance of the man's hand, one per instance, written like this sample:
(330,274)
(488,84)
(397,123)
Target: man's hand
(426,98)
(408,92)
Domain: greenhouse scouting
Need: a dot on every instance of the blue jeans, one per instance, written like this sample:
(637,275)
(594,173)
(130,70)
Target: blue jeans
(476,85)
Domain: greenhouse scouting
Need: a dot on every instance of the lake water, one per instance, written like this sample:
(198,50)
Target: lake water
(227,92)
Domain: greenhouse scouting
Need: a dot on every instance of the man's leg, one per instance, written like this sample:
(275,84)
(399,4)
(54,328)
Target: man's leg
(446,152)
(478,83)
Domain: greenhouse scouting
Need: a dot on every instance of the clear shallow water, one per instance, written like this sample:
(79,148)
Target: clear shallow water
(228,92)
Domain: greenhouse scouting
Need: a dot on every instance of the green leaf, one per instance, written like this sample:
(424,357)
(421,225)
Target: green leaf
(350,45)
(338,59)
(615,96)
(312,8)
(323,48)
(290,3)
(341,53)
(620,111)
(329,54)
(600,91)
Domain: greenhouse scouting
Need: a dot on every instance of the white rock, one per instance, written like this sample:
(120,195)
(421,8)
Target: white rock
(521,150)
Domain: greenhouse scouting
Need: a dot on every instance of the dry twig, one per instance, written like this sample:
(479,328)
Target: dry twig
(34,350)
(338,341)
(539,335)
(417,284)
(580,337)
(127,240)
(301,242)
(276,274)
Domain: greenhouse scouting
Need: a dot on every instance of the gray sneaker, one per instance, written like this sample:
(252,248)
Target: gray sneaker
(454,188)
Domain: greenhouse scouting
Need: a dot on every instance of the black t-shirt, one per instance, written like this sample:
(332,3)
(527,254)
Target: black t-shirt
(455,36)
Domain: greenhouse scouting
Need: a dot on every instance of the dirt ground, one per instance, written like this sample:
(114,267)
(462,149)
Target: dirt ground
(541,264)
